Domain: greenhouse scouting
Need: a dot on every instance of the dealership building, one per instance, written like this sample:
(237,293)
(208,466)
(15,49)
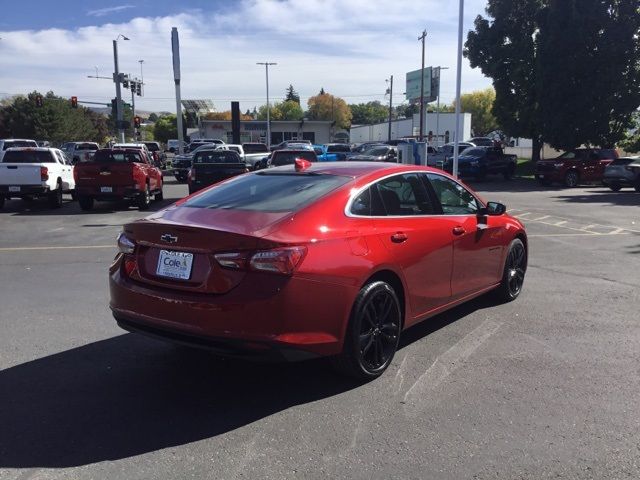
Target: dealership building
(316,131)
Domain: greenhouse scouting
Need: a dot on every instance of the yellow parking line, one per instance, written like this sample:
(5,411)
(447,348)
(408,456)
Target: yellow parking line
(75,247)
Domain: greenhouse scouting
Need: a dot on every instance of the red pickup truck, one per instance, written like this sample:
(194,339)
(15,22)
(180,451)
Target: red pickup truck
(116,175)
(572,168)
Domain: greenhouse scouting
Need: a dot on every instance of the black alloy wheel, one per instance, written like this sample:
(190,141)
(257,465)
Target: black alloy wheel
(2,201)
(144,199)
(571,179)
(86,203)
(373,332)
(515,268)
(615,187)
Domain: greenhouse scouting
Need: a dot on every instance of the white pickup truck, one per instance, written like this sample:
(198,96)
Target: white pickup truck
(79,151)
(27,173)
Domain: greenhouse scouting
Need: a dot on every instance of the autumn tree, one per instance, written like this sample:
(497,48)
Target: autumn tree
(225,115)
(480,105)
(325,106)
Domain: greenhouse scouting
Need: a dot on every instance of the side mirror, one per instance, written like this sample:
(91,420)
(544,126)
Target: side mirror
(495,209)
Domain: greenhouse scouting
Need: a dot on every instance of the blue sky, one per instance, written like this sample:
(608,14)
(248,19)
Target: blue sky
(348,47)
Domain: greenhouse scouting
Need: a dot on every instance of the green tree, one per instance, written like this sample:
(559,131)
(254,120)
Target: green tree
(368,113)
(480,105)
(288,110)
(55,121)
(166,128)
(590,71)
(327,107)
(153,117)
(504,47)
(292,95)
(406,110)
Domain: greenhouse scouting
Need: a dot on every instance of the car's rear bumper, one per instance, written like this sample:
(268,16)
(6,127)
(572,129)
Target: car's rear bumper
(263,314)
(24,190)
(117,193)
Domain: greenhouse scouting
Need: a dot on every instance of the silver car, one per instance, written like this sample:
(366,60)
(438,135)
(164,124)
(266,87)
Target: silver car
(622,172)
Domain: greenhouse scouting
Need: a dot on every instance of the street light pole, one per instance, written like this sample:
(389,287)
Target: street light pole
(422,37)
(141,77)
(117,79)
(456,145)
(266,67)
(438,107)
(390,104)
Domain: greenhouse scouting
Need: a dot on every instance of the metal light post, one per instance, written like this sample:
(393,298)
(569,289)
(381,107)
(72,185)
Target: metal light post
(141,77)
(117,79)
(390,103)
(438,107)
(422,37)
(266,67)
(456,145)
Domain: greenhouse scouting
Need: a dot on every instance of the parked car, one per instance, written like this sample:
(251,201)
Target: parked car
(213,166)
(478,162)
(377,153)
(181,164)
(582,165)
(158,156)
(136,146)
(444,153)
(79,151)
(7,143)
(330,153)
(33,172)
(255,154)
(289,143)
(173,145)
(118,174)
(362,147)
(204,141)
(288,157)
(314,259)
(622,172)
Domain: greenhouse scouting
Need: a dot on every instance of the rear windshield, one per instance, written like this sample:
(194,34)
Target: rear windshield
(152,146)
(285,157)
(377,151)
(19,143)
(475,152)
(255,148)
(28,156)
(338,148)
(268,192)
(217,156)
(623,161)
(87,146)
(111,156)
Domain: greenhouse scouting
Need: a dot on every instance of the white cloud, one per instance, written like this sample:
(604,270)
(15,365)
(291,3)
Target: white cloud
(101,12)
(347,47)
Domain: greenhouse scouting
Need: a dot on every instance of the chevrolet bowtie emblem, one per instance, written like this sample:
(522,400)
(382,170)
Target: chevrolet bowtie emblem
(167,237)
(105,173)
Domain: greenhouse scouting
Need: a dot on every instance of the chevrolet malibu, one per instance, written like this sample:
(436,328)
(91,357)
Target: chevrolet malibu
(314,259)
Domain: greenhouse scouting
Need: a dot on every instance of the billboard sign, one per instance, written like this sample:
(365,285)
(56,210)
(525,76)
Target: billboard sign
(414,84)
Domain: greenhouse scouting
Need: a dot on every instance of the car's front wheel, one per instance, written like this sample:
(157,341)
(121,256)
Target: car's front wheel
(571,179)
(615,187)
(372,334)
(515,267)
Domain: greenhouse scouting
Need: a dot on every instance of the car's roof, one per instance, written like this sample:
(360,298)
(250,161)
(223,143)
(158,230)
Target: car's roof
(356,169)
(128,145)
(30,149)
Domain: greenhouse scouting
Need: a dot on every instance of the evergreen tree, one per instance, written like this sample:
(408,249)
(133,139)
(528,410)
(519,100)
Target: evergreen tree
(292,95)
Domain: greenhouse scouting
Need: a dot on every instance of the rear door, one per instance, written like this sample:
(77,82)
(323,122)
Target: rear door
(418,241)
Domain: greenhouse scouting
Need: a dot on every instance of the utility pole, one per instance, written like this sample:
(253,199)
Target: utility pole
(116,79)
(141,77)
(266,67)
(422,37)
(175,47)
(390,104)
(133,107)
(456,145)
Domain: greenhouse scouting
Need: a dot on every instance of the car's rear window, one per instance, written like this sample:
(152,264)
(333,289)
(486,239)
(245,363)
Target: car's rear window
(28,156)
(268,191)
(285,157)
(338,148)
(217,156)
(19,143)
(255,148)
(87,146)
(152,146)
(607,154)
(475,152)
(377,151)
(111,156)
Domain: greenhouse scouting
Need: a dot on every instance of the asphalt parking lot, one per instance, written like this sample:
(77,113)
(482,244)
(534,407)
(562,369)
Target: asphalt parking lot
(544,387)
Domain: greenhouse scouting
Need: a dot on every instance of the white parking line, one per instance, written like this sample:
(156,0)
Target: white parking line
(76,247)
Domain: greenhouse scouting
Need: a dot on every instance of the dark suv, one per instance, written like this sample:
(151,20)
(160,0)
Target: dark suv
(582,165)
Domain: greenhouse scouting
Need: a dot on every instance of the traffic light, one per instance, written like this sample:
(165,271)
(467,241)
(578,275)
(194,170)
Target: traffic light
(74,102)
(39,101)
(114,107)
(136,121)
(125,82)
(139,89)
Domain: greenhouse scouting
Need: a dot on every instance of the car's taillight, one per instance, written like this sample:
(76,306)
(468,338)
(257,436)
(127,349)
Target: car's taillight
(75,174)
(282,260)
(191,176)
(44,174)
(125,244)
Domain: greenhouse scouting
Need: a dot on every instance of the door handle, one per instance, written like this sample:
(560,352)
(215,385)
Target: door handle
(458,230)
(399,237)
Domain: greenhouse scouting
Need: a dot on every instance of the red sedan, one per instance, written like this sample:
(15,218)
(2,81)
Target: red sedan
(306,260)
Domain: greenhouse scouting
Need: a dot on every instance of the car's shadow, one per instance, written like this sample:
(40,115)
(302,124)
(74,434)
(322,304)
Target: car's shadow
(623,197)
(40,207)
(130,395)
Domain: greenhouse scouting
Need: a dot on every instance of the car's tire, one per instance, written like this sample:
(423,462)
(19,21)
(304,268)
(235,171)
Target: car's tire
(28,199)
(636,186)
(481,175)
(74,197)
(571,179)
(86,203)
(615,187)
(158,197)
(55,197)
(2,201)
(515,268)
(144,199)
(372,334)
(509,172)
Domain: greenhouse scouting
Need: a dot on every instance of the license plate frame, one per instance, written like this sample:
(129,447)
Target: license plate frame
(14,189)
(106,189)
(175,265)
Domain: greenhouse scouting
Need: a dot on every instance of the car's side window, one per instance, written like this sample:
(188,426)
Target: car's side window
(453,197)
(368,204)
(405,195)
